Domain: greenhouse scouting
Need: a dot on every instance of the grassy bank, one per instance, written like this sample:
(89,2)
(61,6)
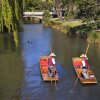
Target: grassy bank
(74,28)
(64,26)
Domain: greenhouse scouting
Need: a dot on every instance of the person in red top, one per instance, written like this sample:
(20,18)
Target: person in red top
(51,65)
(85,60)
(85,66)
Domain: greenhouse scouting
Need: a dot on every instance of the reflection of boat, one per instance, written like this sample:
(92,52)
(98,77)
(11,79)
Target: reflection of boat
(77,63)
(44,70)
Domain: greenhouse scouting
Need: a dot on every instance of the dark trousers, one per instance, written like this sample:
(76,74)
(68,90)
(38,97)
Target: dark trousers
(51,71)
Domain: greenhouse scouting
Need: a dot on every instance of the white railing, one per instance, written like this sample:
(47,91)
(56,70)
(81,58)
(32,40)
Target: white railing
(34,13)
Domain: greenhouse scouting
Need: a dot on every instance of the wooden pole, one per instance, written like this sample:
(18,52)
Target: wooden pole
(51,80)
(75,82)
(55,75)
(50,49)
(87,48)
(55,82)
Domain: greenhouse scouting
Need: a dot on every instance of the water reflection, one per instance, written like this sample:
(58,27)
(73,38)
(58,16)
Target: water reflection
(6,43)
(11,69)
(25,83)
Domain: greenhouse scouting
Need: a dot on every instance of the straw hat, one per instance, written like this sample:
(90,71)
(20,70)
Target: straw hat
(52,54)
(82,55)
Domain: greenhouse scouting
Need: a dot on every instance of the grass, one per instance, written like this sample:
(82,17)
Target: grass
(72,23)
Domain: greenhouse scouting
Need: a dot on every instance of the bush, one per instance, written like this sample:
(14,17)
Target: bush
(46,16)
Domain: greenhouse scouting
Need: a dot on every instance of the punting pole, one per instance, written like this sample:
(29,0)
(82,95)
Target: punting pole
(51,80)
(87,48)
(76,82)
(55,82)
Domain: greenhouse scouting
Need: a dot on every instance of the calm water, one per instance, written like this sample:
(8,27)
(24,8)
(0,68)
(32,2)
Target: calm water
(20,77)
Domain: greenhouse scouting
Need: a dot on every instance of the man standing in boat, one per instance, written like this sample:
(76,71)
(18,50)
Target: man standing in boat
(51,65)
(85,60)
(85,66)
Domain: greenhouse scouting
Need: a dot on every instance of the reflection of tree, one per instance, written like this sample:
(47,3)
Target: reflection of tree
(93,37)
(11,74)
(6,43)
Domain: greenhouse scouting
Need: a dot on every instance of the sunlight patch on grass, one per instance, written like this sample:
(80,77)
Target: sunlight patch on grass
(72,23)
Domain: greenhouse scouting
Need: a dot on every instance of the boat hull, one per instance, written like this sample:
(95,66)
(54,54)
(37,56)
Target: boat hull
(44,69)
(78,69)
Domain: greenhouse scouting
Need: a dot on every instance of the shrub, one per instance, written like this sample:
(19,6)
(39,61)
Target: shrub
(46,16)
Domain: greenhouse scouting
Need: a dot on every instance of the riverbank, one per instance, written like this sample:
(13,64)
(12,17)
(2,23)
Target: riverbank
(74,28)
(66,26)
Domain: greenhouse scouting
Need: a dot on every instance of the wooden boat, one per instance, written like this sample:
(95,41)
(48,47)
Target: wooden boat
(44,70)
(77,63)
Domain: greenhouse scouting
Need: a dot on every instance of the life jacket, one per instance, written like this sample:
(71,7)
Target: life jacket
(50,63)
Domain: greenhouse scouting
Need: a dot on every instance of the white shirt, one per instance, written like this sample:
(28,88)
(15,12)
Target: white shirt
(53,61)
(83,63)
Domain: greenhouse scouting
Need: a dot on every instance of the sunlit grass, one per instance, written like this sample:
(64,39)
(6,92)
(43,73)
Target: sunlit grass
(72,23)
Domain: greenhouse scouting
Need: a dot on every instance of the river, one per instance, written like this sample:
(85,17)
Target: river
(20,77)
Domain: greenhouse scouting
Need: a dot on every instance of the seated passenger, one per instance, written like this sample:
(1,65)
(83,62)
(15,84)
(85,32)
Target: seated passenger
(85,70)
(85,73)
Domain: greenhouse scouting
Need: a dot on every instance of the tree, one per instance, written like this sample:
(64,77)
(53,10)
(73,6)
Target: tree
(58,8)
(11,16)
(31,5)
(46,16)
(70,7)
(89,10)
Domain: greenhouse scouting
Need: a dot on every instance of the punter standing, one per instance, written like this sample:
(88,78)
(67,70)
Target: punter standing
(51,65)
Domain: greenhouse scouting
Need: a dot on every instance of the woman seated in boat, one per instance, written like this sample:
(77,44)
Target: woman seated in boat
(85,73)
(51,65)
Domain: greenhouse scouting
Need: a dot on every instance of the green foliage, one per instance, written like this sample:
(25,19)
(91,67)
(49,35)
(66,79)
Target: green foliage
(11,15)
(17,11)
(0,18)
(46,16)
(32,5)
(7,13)
(70,9)
(89,10)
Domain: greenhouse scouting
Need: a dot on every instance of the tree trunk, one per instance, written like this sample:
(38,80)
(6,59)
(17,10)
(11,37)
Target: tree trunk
(58,7)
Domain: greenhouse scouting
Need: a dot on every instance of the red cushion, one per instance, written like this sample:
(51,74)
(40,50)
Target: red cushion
(77,63)
(44,61)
